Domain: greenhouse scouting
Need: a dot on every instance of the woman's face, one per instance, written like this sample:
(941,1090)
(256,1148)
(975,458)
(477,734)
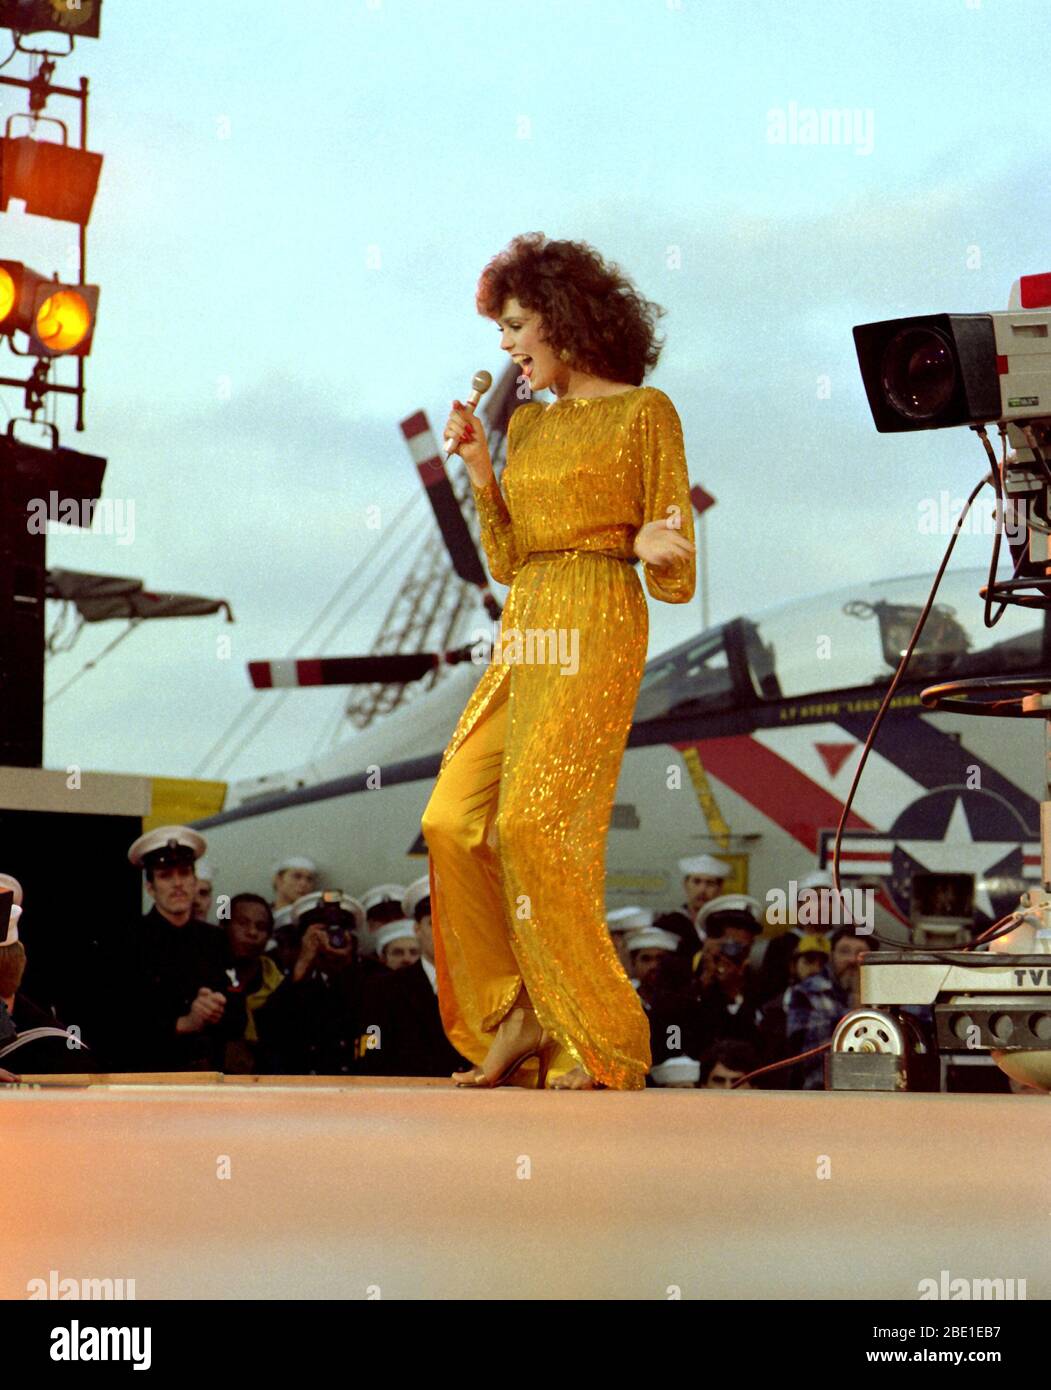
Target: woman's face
(521,339)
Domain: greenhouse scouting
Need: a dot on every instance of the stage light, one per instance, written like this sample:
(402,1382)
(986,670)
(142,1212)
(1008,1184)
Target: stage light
(9,286)
(63,320)
(17,283)
(52,180)
(78,17)
(58,319)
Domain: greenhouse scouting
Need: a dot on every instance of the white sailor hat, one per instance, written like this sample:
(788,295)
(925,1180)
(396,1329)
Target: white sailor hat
(204,871)
(741,904)
(294,861)
(9,881)
(394,931)
(415,893)
(382,893)
(167,845)
(12,926)
(816,878)
(629,918)
(705,865)
(653,938)
(309,901)
(676,1069)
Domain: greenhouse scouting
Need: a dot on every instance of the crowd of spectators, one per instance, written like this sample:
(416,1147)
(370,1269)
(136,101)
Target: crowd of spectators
(726,999)
(311,982)
(317,982)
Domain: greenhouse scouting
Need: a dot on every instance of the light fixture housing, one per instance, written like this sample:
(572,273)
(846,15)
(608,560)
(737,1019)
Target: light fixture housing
(58,318)
(80,19)
(53,180)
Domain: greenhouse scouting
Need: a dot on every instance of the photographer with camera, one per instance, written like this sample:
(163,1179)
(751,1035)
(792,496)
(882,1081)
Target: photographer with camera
(726,992)
(317,1021)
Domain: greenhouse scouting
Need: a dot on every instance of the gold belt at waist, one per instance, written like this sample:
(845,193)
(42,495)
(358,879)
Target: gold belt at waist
(624,559)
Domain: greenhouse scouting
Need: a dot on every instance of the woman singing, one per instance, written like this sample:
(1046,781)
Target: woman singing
(516,825)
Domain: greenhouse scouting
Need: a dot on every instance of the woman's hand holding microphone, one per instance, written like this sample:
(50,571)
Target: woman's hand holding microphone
(465,436)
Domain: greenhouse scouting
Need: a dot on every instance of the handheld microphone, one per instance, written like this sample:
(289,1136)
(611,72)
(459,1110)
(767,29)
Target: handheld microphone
(480,383)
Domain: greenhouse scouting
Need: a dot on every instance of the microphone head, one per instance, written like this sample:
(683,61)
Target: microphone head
(481,381)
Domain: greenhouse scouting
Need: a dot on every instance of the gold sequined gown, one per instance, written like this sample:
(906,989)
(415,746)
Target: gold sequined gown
(517,821)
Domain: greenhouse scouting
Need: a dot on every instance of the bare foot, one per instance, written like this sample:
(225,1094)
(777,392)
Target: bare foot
(518,1034)
(576,1080)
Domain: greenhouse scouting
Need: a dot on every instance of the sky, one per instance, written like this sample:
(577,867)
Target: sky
(295,206)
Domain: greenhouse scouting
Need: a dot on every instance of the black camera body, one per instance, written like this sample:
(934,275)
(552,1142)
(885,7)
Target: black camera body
(733,950)
(333,916)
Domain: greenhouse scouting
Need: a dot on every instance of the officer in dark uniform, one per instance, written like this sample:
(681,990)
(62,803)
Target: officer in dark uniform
(173,1008)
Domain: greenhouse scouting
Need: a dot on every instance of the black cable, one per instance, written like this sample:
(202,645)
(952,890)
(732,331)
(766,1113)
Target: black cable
(784,1062)
(902,664)
(950,957)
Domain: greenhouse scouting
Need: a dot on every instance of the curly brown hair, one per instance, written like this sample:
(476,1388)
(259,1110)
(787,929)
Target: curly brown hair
(589,309)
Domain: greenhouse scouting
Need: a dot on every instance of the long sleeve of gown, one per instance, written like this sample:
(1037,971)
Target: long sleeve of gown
(498,532)
(667,494)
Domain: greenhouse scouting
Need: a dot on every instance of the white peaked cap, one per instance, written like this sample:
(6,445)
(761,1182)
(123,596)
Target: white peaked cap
(295,861)
(731,902)
(382,893)
(676,1069)
(394,931)
(12,926)
(650,938)
(165,841)
(629,918)
(706,865)
(417,890)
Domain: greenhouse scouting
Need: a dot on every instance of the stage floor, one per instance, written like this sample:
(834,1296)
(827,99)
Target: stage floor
(415,1190)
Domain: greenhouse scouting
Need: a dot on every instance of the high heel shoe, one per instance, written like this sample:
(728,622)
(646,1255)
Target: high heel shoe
(543,1050)
(546,1050)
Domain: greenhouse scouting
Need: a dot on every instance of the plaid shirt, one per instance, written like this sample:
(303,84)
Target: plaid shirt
(815,1006)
